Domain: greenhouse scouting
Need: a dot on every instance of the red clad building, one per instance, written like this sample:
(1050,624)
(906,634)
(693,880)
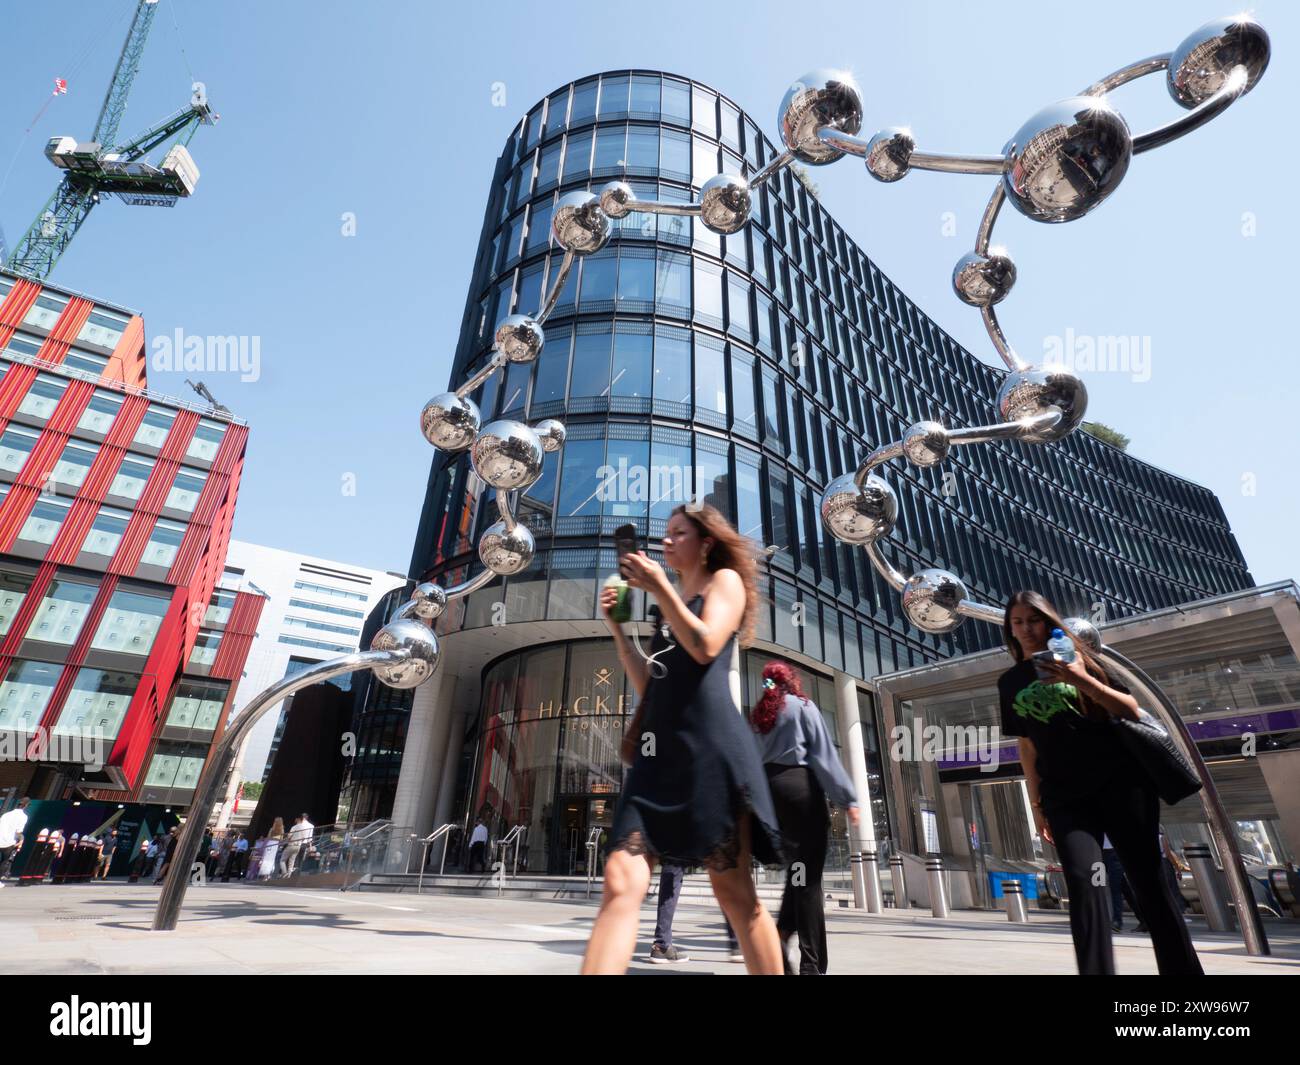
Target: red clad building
(119,647)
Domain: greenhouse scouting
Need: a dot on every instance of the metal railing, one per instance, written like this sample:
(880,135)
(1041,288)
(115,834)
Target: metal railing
(593,845)
(511,839)
(444,832)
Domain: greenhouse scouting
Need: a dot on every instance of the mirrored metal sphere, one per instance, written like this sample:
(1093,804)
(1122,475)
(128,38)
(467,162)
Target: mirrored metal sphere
(416,637)
(551,433)
(506,551)
(450,422)
(983,280)
(889,154)
(507,454)
(1033,391)
(925,443)
(519,338)
(1066,159)
(1085,632)
(579,225)
(428,600)
(856,516)
(819,99)
(931,598)
(1201,64)
(725,203)
(616,199)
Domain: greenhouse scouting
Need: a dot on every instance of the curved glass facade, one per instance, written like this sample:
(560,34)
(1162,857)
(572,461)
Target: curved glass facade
(748,371)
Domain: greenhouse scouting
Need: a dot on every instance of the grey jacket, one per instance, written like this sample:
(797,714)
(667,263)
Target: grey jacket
(799,737)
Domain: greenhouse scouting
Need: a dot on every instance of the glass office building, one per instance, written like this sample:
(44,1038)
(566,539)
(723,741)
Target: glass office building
(746,370)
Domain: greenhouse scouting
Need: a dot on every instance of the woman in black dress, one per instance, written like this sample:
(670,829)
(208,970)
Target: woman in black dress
(1084,784)
(697,793)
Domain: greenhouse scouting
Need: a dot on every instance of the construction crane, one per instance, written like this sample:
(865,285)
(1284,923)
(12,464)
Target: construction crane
(101,167)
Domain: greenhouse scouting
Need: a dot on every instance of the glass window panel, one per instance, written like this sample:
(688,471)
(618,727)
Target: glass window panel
(704,161)
(704,111)
(25,694)
(636,279)
(579,484)
(539,228)
(552,370)
(103,328)
(100,412)
(185,490)
(742,391)
(46,310)
(670,478)
(584,102)
(713,481)
(676,99)
(74,464)
(577,157)
(626,476)
(643,147)
(529,297)
(221,604)
(61,612)
(610,144)
(42,525)
(13,590)
(43,396)
(598,274)
(779,508)
(672,374)
(84,360)
(645,96)
(613,95)
(673,281)
(107,531)
(738,314)
(633,357)
(16,444)
(97,703)
(591,353)
(556,111)
(207,439)
(675,154)
(548,166)
(156,425)
(749,499)
(708,290)
(710,380)
(206,645)
(130,623)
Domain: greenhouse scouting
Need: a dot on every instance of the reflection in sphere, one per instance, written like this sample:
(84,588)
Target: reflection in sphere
(983,280)
(617,198)
(858,516)
(428,600)
(579,225)
(926,443)
(449,421)
(551,433)
(820,99)
(417,638)
(889,154)
(519,338)
(506,551)
(725,203)
(1029,392)
(507,454)
(931,598)
(1201,64)
(1066,159)
(1084,632)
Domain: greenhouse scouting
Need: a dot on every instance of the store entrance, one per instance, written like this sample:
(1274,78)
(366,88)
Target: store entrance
(579,814)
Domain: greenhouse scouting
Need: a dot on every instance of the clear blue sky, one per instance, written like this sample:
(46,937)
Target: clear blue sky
(385,110)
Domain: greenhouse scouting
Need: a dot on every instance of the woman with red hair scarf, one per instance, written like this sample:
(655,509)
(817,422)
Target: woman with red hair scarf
(802,770)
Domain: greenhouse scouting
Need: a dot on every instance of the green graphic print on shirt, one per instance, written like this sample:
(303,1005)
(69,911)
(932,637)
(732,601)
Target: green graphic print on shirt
(1043,702)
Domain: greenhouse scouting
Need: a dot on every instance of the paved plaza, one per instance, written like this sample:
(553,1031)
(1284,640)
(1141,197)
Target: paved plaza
(237,928)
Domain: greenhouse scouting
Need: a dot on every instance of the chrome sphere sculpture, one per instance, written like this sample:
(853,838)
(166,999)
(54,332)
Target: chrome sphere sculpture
(450,421)
(889,154)
(820,100)
(926,443)
(725,203)
(419,640)
(507,454)
(932,600)
(1028,394)
(617,198)
(506,547)
(579,225)
(519,338)
(1085,632)
(1202,64)
(858,515)
(983,280)
(551,433)
(428,600)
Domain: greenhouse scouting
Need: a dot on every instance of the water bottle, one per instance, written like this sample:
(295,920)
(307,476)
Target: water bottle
(1061,646)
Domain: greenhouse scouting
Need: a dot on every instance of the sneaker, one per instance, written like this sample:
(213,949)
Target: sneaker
(662,956)
(734,954)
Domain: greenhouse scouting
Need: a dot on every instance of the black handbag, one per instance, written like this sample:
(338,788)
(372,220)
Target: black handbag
(1165,765)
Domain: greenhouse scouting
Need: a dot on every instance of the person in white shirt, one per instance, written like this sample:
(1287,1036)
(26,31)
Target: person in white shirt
(478,845)
(11,836)
(296,845)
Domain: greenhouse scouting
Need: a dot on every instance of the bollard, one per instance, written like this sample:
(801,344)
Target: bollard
(899,879)
(1208,886)
(1014,893)
(938,895)
(859,888)
(871,874)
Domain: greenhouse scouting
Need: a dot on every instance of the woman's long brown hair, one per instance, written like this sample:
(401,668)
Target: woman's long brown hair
(1040,604)
(730,550)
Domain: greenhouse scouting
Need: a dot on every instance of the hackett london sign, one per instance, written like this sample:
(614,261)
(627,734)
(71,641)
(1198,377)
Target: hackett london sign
(596,704)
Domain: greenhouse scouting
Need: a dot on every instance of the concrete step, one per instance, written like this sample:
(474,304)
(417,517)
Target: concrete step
(696,889)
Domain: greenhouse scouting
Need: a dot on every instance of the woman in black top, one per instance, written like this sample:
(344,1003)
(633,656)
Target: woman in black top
(1084,784)
(697,793)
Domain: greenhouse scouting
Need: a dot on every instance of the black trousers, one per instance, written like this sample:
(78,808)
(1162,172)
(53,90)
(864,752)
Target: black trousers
(1128,811)
(804,819)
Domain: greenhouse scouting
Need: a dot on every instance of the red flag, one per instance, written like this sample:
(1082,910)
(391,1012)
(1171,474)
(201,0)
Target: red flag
(60,87)
(238,795)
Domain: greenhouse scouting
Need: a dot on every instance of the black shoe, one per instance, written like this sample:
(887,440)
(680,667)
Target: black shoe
(1117,926)
(662,955)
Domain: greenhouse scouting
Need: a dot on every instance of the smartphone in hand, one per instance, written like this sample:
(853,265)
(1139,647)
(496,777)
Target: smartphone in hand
(625,543)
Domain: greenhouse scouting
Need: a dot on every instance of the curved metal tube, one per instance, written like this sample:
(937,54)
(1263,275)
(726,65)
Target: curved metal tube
(895,579)
(989,219)
(958,164)
(969,608)
(463,589)
(506,508)
(878,457)
(557,286)
(1124,75)
(983,434)
(489,368)
(691,210)
(775,164)
(1197,116)
(844,142)
(222,760)
(1252,928)
(1013,361)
